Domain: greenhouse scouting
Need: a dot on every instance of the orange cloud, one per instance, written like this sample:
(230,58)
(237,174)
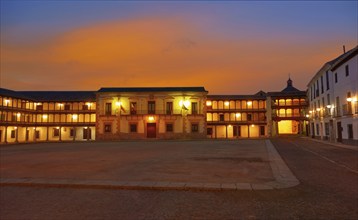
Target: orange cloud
(159,52)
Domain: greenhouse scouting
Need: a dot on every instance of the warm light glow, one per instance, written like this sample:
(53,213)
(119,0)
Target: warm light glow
(252,126)
(208,103)
(15,128)
(229,126)
(249,103)
(185,103)
(18,114)
(318,109)
(307,116)
(151,118)
(89,104)
(310,112)
(57,127)
(237,115)
(7,101)
(226,103)
(44,116)
(85,127)
(60,104)
(74,117)
(119,103)
(354,99)
(329,106)
(349,99)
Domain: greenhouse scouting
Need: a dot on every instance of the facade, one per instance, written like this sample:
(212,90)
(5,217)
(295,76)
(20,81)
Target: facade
(148,112)
(236,116)
(288,111)
(333,93)
(47,116)
(138,113)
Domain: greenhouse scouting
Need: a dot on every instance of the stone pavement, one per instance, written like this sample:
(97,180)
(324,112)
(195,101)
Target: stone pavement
(163,165)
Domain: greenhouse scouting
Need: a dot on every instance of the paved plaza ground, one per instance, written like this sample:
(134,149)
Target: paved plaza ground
(180,180)
(216,165)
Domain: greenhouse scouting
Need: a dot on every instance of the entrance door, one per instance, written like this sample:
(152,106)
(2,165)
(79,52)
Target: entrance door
(87,134)
(27,135)
(339,130)
(0,136)
(151,130)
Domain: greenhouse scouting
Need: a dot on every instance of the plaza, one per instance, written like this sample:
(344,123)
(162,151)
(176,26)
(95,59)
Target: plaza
(201,164)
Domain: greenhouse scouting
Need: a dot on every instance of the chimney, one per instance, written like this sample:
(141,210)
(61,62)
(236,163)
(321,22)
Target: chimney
(344,49)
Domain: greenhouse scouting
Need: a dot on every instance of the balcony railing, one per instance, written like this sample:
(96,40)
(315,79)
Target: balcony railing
(156,112)
(347,109)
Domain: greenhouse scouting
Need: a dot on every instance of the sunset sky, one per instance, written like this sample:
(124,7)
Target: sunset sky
(227,47)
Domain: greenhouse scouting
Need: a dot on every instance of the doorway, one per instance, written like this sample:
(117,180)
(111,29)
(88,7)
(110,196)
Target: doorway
(151,130)
(339,130)
(87,134)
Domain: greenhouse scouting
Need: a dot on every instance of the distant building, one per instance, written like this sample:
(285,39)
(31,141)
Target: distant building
(236,116)
(333,93)
(47,116)
(138,113)
(288,111)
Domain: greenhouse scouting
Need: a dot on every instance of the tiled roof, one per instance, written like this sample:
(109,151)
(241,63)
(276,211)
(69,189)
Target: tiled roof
(50,95)
(235,97)
(60,95)
(152,89)
(11,93)
(287,93)
(341,59)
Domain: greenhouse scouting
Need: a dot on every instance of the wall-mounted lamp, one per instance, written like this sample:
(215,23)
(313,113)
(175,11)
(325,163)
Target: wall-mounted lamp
(151,118)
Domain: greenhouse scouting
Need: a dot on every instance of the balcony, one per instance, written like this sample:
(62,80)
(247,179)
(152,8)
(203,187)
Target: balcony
(347,109)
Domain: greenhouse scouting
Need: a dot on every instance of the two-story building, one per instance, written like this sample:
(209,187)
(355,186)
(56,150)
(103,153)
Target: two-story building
(287,111)
(47,116)
(155,112)
(236,116)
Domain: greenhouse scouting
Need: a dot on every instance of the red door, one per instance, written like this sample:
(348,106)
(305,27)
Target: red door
(151,130)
